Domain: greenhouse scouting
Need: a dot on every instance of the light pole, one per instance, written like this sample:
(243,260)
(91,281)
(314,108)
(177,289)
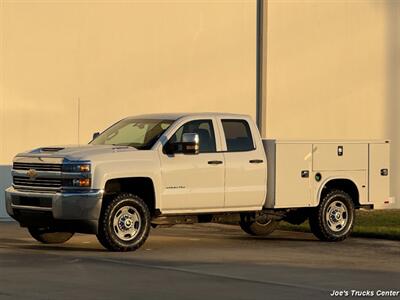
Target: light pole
(261,66)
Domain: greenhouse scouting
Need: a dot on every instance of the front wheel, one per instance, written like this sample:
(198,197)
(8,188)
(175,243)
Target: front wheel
(49,236)
(124,223)
(333,219)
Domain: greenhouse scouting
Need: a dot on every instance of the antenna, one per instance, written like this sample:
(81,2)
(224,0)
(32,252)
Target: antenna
(79,120)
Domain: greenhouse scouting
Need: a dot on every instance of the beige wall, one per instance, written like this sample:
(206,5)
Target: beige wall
(333,71)
(118,58)
(332,67)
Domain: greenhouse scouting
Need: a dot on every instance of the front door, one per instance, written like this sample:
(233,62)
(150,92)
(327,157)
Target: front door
(193,182)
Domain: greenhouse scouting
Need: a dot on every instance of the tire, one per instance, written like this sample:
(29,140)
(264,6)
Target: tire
(333,219)
(124,223)
(257,228)
(49,236)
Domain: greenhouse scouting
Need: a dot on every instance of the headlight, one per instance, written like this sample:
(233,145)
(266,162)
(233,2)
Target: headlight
(76,168)
(76,174)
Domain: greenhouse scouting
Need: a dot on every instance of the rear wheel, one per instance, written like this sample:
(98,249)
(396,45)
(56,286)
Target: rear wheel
(124,224)
(49,236)
(333,219)
(257,226)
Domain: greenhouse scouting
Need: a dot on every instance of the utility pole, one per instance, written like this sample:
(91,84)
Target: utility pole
(261,66)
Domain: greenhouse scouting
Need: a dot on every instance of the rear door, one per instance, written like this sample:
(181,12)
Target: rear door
(245,165)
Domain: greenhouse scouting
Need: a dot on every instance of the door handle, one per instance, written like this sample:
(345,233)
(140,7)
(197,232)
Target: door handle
(256,161)
(215,162)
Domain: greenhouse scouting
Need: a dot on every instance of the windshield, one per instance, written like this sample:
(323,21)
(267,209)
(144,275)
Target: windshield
(139,133)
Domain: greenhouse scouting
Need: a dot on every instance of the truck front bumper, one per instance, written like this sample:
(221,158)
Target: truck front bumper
(78,212)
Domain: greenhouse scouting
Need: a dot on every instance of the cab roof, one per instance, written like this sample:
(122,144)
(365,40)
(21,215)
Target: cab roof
(175,116)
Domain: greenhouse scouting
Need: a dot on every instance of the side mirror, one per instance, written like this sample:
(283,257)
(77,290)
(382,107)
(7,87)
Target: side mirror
(95,135)
(190,143)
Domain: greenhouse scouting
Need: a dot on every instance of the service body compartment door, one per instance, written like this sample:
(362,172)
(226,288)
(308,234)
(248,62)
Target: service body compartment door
(379,173)
(293,165)
(340,157)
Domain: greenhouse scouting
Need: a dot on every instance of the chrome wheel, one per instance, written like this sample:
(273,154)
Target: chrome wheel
(333,219)
(337,216)
(126,223)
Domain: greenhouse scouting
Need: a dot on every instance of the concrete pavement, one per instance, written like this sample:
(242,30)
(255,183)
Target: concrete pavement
(195,262)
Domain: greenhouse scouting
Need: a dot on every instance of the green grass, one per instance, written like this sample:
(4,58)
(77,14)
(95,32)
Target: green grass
(383,224)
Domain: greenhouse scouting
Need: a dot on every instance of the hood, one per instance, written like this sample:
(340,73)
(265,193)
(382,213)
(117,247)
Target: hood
(77,152)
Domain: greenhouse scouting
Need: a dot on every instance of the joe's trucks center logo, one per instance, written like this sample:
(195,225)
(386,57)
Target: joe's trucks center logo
(365,293)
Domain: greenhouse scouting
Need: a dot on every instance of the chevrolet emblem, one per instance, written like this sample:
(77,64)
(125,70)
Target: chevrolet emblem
(31,173)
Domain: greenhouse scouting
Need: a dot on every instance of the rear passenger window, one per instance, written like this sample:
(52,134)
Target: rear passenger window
(238,135)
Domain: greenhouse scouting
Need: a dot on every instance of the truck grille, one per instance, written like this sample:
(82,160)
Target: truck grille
(46,174)
(37,166)
(51,183)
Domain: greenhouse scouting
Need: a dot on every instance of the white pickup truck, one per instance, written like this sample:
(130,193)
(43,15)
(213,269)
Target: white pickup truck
(167,169)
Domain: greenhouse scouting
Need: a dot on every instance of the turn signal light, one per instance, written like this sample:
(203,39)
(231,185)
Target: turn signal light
(83,182)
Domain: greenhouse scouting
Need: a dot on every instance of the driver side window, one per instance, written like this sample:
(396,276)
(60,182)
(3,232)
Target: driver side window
(205,130)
